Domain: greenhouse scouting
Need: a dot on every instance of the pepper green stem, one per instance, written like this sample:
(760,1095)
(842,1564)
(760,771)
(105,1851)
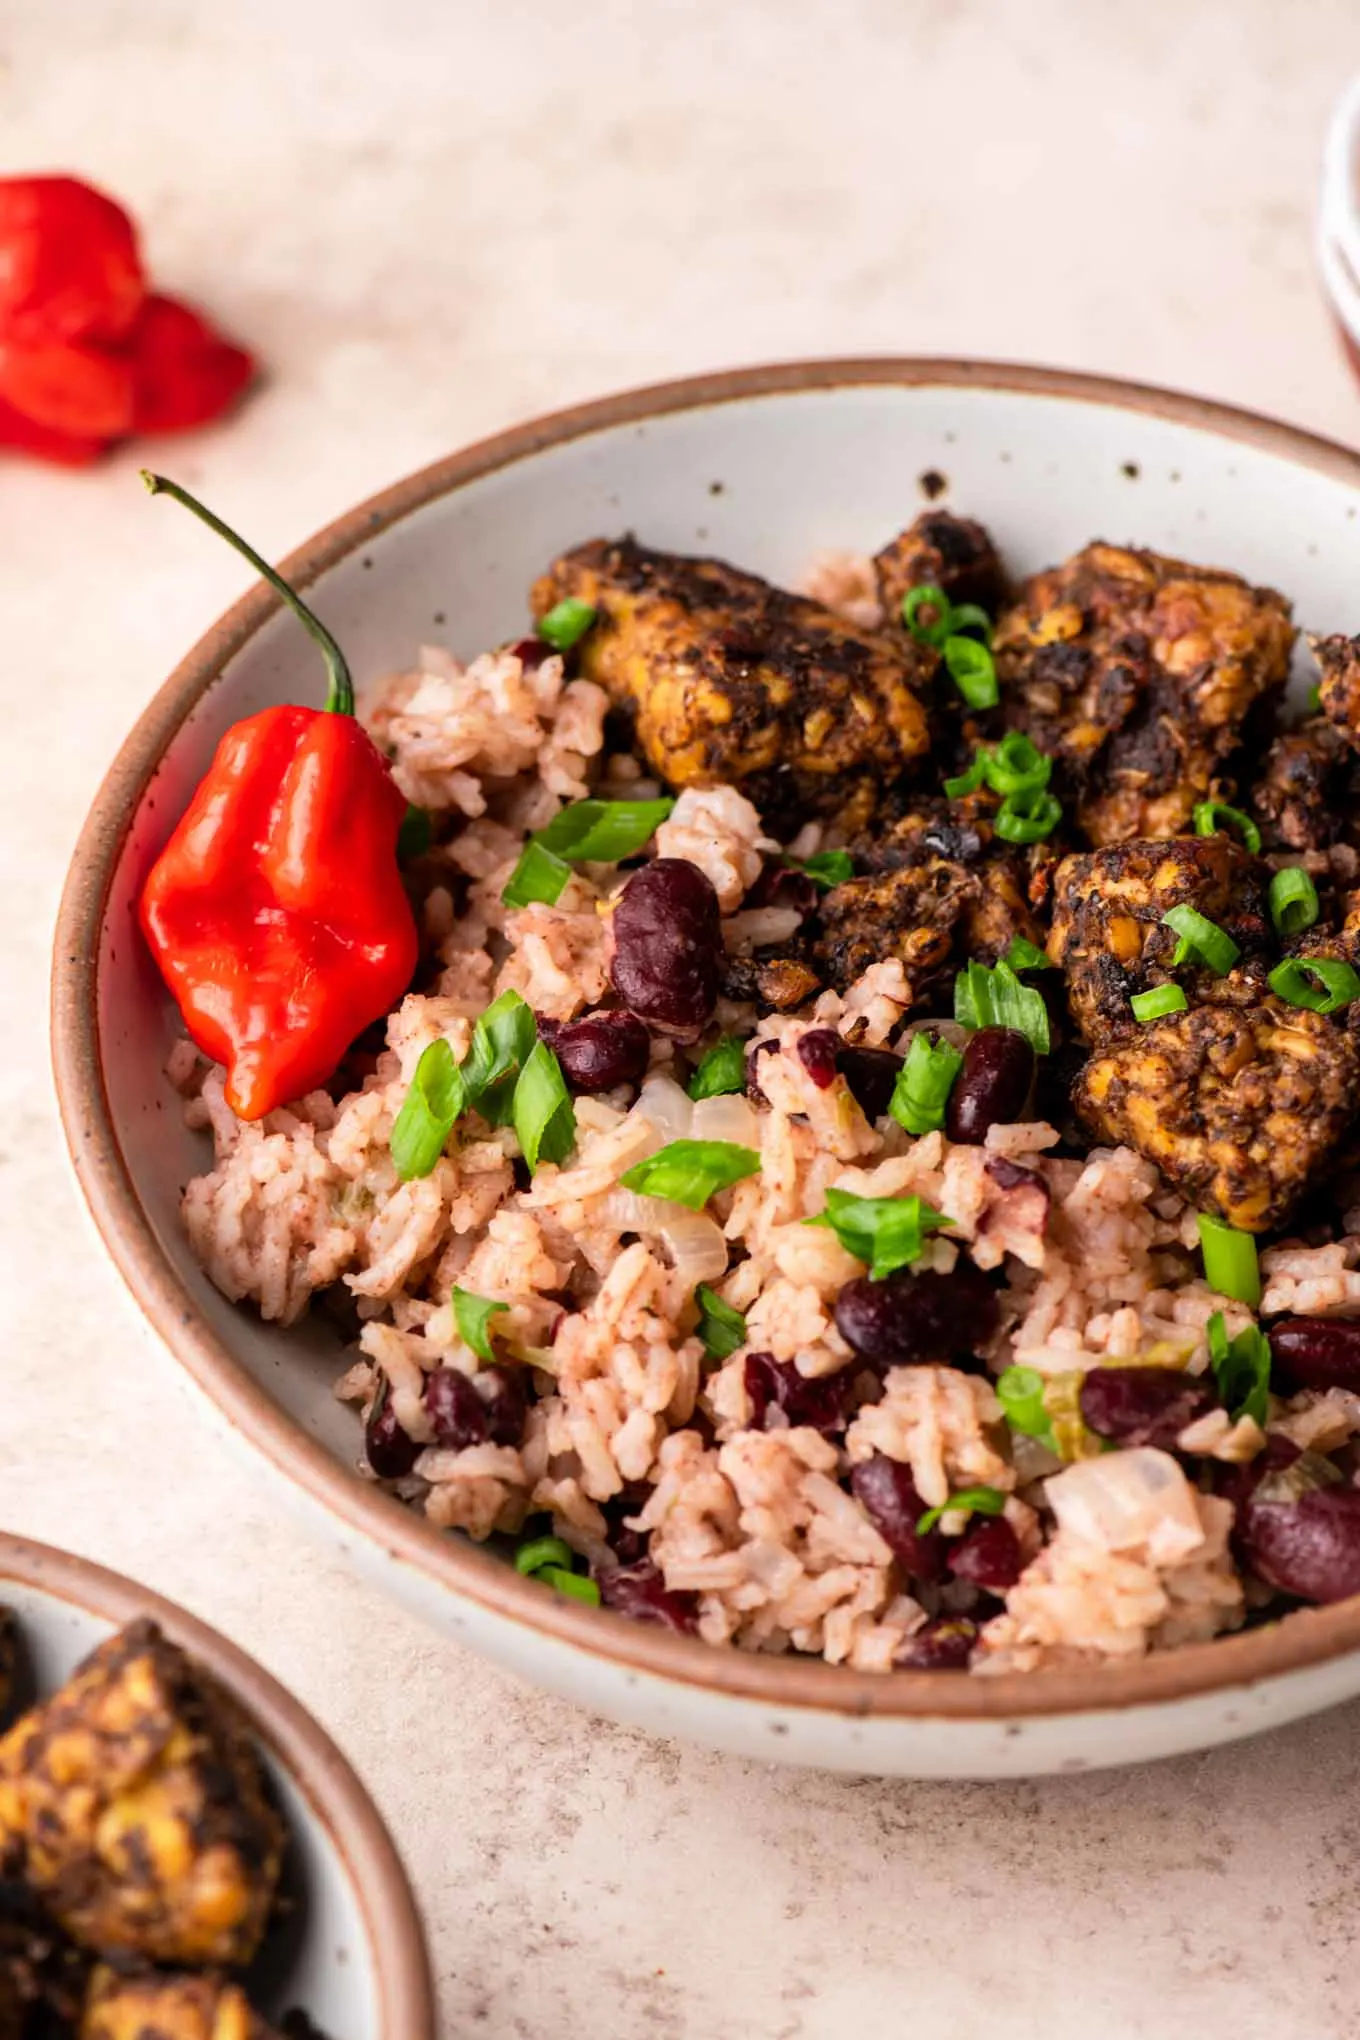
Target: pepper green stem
(340,697)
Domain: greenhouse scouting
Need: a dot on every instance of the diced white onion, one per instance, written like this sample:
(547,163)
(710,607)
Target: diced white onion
(730,1117)
(662,1101)
(696,1246)
(1125,1499)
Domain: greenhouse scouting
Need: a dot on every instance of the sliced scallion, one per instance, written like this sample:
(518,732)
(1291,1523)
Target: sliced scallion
(472,1314)
(1231,1266)
(996,998)
(926,612)
(827,868)
(1241,1368)
(972,669)
(566,623)
(539,878)
(689,1172)
(721,1327)
(536,1552)
(969,1501)
(1026,955)
(574,1585)
(1201,941)
(924,1082)
(1028,816)
(429,1112)
(1207,823)
(1153,1005)
(1322,984)
(544,1119)
(884,1232)
(721,1071)
(1294,903)
(603,831)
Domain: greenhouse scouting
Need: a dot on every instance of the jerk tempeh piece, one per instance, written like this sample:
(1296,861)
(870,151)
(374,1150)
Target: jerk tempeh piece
(42,1976)
(941,551)
(1238,1108)
(135,1807)
(1305,799)
(1110,938)
(151,2007)
(735,682)
(1138,673)
(1339,683)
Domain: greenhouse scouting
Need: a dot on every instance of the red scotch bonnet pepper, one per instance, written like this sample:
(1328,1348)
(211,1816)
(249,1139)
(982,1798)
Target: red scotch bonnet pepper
(88,354)
(276,911)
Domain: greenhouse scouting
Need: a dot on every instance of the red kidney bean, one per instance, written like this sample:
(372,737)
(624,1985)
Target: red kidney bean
(1313,1352)
(1237,1484)
(1310,1547)
(455,1409)
(887,1494)
(640,1592)
(907,1319)
(987,1555)
(1143,1405)
(776,1384)
(668,946)
(531,652)
(994,1085)
(871,1074)
(505,1403)
(599,1051)
(944,1645)
(391,1451)
(819,1053)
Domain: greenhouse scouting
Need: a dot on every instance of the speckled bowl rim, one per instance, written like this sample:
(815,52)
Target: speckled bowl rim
(1307,1638)
(299,1747)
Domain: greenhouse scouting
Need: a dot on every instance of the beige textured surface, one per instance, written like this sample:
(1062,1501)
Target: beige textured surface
(433,217)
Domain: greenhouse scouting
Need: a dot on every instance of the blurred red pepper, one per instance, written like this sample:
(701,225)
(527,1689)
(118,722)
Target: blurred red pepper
(183,371)
(276,911)
(86,355)
(70,268)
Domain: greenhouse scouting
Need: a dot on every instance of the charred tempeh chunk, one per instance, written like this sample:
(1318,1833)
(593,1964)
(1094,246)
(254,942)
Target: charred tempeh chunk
(1138,673)
(941,551)
(150,2007)
(735,682)
(133,1803)
(1110,937)
(1238,1108)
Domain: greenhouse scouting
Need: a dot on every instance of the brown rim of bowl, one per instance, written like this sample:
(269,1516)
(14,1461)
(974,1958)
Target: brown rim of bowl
(1309,1637)
(300,1747)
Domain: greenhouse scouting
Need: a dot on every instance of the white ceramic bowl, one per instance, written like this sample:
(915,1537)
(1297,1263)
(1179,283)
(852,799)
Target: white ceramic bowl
(765,467)
(356,1961)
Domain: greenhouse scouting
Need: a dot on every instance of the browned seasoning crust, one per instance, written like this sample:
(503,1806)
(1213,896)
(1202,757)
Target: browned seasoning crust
(1339,683)
(1237,1107)
(1305,797)
(42,1976)
(736,682)
(151,2007)
(942,551)
(1110,938)
(1138,673)
(133,1803)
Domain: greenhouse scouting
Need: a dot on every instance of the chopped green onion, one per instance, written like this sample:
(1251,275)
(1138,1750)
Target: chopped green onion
(972,669)
(827,868)
(1020,1391)
(1230,1264)
(689,1172)
(538,878)
(1207,823)
(922,597)
(1016,764)
(970,1501)
(971,780)
(502,1042)
(924,1083)
(470,1315)
(566,623)
(1292,981)
(720,1326)
(576,1586)
(1201,941)
(1160,1000)
(429,1112)
(603,831)
(1314,699)
(968,617)
(996,998)
(536,1552)
(1241,1369)
(543,1116)
(415,835)
(1028,816)
(1026,955)
(1294,903)
(721,1071)
(884,1232)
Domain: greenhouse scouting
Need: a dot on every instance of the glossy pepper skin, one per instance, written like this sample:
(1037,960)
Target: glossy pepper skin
(276,911)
